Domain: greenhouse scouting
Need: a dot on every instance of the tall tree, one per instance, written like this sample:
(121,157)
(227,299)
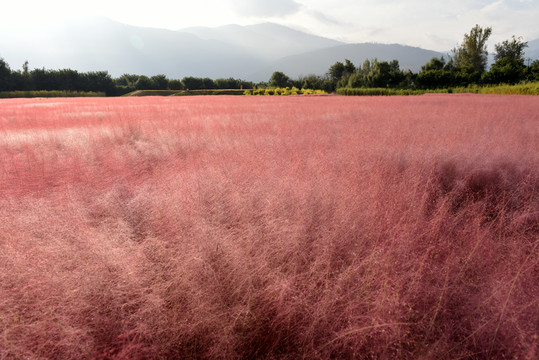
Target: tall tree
(349,67)
(366,67)
(506,70)
(5,76)
(512,49)
(25,70)
(509,66)
(192,83)
(533,71)
(473,50)
(279,79)
(160,82)
(175,84)
(100,81)
(144,83)
(229,83)
(208,83)
(336,71)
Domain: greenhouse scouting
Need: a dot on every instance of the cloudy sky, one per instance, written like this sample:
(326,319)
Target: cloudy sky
(431,24)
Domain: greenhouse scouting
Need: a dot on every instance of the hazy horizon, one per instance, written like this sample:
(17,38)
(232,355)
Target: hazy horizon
(433,25)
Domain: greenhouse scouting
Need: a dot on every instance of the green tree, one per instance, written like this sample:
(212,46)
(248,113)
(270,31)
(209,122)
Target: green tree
(25,71)
(433,79)
(208,83)
(192,83)
(396,74)
(244,84)
(279,79)
(175,84)
(315,82)
(434,64)
(357,80)
(5,76)
(39,79)
(336,71)
(100,81)
(507,71)
(160,82)
(450,64)
(532,72)
(144,83)
(384,74)
(473,50)
(509,66)
(465,76)
(349,68)
(512,49)
(379,74)
(229,83)
(366,67)
(127,81)
(66,79)
(346,71)
(435,74)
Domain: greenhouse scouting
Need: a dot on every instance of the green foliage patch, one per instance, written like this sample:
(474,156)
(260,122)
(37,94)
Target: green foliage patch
(531,88)
(384,91)
(209,92)
(152,93)
(49,94)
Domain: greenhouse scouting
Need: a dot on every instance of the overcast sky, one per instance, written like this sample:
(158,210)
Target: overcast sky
(431,24)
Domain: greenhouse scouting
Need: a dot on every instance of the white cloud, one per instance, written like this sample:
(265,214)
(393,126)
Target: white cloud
(265,8)
(433,24)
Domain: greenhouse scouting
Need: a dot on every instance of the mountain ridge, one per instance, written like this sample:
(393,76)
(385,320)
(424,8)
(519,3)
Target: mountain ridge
(271,40)
(316,62)
(251,52)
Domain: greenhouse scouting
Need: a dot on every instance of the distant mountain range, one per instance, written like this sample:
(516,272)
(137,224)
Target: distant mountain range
(319,61)
(532,51)
(269,41)
(247,52)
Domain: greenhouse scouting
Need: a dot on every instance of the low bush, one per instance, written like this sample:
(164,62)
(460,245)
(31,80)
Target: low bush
(519,89)
(284,91)
(209,92)
(531,88)
(49,93)
(152,93)
(385,91)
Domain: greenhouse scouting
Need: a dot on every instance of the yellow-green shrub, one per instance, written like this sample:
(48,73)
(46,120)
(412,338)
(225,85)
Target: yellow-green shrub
(285,91)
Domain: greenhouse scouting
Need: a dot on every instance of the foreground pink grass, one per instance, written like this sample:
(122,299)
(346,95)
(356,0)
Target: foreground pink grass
(232,227)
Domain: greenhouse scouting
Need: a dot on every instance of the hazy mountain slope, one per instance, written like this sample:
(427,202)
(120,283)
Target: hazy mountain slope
(532,51)
(319,61)
(270,41)
(101,44)
(247,52)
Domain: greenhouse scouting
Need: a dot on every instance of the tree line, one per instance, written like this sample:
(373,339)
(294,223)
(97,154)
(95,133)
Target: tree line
(102,81)
(467,66)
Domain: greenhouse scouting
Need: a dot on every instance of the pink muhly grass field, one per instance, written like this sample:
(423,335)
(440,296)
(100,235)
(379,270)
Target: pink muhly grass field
(272,228)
